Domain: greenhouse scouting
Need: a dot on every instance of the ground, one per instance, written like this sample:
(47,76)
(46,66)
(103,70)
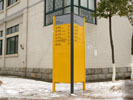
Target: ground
(14,88)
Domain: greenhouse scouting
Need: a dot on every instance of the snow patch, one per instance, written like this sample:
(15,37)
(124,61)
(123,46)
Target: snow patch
(31,89)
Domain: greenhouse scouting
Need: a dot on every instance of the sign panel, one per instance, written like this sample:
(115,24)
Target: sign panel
(62,49)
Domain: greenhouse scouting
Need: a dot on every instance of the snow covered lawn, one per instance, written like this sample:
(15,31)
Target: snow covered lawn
(25,89)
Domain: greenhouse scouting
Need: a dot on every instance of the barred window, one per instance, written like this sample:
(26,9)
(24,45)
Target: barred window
(10,2)
(83,8)
(1,5)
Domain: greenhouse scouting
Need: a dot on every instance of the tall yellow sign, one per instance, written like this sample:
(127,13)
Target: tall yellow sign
(62,50)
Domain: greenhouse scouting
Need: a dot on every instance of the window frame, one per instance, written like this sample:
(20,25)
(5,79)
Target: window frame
(10,29)
(54,10)
(1,45)
(1,39)
(1,33)
(11,2)
(15,44)
(81,7)
(77,6)
(2,5)
(11,35)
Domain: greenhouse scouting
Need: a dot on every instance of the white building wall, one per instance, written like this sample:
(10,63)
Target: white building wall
(16,60)
(39,54)
(18,6)
(1,15)
(40,38)
(14,16)
(97,40)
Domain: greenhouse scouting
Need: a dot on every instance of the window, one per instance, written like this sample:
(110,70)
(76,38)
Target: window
(13,29)
(1,5)
(55,7)
(12,40)
(0,47)
(83,8)
(1,34)
(10,2)
(84,3)
(76,2)
(91,4)
(12,45)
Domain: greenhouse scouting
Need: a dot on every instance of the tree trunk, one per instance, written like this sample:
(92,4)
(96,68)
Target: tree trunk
(132,45)
(132,56)
(132,67)
(112,49)
(1,82)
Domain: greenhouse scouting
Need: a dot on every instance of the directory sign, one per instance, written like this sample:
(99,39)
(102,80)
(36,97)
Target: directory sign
(62,49)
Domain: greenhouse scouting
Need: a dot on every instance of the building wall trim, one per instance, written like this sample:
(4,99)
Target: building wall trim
(18,13)
(92,74)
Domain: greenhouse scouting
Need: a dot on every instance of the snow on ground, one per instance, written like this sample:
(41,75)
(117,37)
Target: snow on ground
(25,89)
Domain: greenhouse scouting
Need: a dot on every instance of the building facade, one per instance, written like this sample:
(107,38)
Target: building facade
(26,39)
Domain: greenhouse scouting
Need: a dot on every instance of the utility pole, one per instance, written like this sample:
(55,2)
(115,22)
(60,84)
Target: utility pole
(72,47)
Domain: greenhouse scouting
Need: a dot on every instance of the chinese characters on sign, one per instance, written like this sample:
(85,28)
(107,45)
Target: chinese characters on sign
(62,50)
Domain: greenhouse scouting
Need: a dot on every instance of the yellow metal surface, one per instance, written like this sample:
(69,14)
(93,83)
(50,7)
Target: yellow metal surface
(79,54)
(62,51)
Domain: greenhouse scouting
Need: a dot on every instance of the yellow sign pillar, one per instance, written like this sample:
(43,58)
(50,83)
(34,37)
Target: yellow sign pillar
(62,50)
